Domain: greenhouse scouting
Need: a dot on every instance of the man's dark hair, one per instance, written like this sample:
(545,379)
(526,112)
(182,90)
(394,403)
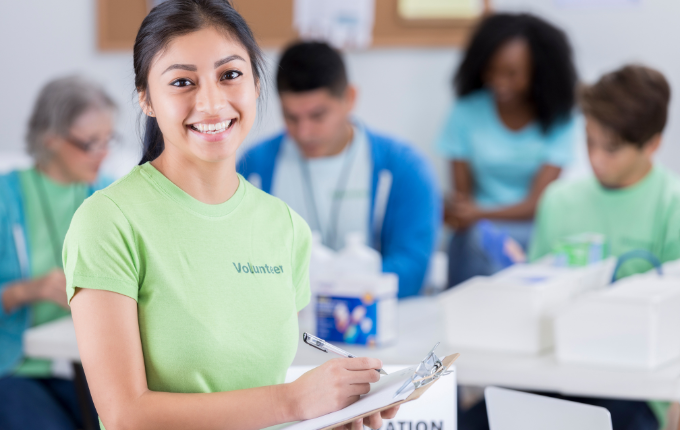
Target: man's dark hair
(308,66)
(631,102)
(553,86)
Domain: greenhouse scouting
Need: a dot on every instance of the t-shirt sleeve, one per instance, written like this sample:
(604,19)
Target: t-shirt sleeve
(562,141)
(454,141)
(671,246)
(301,252)
(99,250)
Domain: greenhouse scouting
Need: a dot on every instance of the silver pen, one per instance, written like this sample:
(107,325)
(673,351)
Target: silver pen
(324,346)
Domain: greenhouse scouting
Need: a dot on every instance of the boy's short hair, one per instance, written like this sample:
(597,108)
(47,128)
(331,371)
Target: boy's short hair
(632,102)
(309,66)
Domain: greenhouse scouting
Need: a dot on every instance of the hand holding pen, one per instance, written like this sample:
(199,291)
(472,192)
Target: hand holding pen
(324,346)
(337,384)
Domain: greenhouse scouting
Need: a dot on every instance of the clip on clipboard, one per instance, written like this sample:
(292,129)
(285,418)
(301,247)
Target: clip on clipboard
(428,371)
(426,374)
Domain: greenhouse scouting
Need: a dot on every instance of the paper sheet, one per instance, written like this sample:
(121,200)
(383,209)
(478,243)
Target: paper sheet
(341,23)
(440,9)
(381,394)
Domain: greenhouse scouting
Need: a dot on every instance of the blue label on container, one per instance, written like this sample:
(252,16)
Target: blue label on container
(347,319)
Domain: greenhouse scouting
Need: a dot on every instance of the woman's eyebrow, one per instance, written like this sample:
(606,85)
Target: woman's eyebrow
(189,67)
(192,68)
(228,59)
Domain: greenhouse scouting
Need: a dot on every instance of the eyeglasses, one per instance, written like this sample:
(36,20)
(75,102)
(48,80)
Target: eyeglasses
(95,145)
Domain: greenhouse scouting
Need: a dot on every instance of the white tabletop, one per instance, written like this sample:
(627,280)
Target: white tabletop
(54,341)
(419,330)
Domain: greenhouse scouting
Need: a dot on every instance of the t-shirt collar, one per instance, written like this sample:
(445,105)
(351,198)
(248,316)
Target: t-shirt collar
(189,203)
(640,185)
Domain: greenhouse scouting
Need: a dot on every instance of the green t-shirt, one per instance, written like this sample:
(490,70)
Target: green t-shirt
(48,205)
(644,216)
(218,287)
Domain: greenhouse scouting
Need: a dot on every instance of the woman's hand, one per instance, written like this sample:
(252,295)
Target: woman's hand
(51,287)
(373,421)
(461,212)
(332,386)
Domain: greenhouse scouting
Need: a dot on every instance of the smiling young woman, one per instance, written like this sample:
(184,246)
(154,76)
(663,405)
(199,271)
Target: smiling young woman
(171,334)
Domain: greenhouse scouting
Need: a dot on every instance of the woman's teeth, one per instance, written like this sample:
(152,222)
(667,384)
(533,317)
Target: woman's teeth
(212,128)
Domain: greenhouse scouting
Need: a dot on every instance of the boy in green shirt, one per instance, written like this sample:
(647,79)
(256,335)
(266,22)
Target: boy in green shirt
(634,204)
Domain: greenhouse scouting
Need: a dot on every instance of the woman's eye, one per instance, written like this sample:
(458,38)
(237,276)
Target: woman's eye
(231,74)
(181,83)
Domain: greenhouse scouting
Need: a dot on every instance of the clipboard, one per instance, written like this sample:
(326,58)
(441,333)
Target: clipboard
(446,362)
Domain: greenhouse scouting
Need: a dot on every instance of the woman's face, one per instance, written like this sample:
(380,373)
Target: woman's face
(78,155)
(509,72)
(204,95)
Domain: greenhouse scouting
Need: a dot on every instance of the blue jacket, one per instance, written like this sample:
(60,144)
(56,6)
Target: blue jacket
(406,208)
(15,264)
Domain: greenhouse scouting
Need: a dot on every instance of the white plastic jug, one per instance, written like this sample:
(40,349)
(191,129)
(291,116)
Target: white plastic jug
(358,304)
(358,258)
(321,276)
(322,260)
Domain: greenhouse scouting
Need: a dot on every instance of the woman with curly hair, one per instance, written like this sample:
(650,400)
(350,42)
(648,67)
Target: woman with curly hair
(509,135)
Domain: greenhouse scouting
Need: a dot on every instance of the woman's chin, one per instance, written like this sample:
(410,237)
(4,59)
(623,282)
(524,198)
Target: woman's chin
(214,153)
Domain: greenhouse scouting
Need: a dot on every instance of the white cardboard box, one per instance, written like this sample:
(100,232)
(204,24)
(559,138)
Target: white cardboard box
(634,324)
(513,310)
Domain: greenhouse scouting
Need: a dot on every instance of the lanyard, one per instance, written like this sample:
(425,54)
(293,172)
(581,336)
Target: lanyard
(46,209)
(330,238)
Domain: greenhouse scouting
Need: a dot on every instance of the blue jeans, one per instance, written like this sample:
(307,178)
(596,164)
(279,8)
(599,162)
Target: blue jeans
(467,256)
(40,404)
(626,414)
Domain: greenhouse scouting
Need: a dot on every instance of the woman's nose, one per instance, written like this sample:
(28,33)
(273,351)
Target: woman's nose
(210,99)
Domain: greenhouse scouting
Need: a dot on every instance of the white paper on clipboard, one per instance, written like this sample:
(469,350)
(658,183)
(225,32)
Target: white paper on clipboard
(381,395)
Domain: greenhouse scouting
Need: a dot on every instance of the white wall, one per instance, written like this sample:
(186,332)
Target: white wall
(403,91)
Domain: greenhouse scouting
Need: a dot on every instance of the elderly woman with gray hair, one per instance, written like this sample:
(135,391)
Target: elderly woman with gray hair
(69,134)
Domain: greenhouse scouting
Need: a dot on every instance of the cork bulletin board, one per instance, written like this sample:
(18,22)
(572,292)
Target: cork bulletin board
(272,23)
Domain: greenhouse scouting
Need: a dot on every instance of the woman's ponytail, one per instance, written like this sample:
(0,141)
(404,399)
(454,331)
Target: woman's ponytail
(153,141)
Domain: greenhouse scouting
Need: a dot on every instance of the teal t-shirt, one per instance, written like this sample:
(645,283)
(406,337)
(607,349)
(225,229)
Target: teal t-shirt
(45,202)
(217,287)
(503,162)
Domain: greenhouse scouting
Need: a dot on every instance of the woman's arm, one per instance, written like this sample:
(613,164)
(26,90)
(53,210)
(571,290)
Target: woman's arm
(526,209)
(466,212)
(463,182)
(50,287)
(110,348)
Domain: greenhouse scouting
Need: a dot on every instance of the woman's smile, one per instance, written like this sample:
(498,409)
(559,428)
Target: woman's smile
(211,130)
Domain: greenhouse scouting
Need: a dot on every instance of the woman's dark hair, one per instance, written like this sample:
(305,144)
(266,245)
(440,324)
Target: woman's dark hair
(553,86)
(174,18)
(632,102)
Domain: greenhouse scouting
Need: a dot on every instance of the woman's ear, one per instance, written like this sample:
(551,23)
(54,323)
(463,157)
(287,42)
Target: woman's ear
(50,141)
(145,103)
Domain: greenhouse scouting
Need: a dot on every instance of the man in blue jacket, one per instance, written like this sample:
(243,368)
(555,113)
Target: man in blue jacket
(342,177)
